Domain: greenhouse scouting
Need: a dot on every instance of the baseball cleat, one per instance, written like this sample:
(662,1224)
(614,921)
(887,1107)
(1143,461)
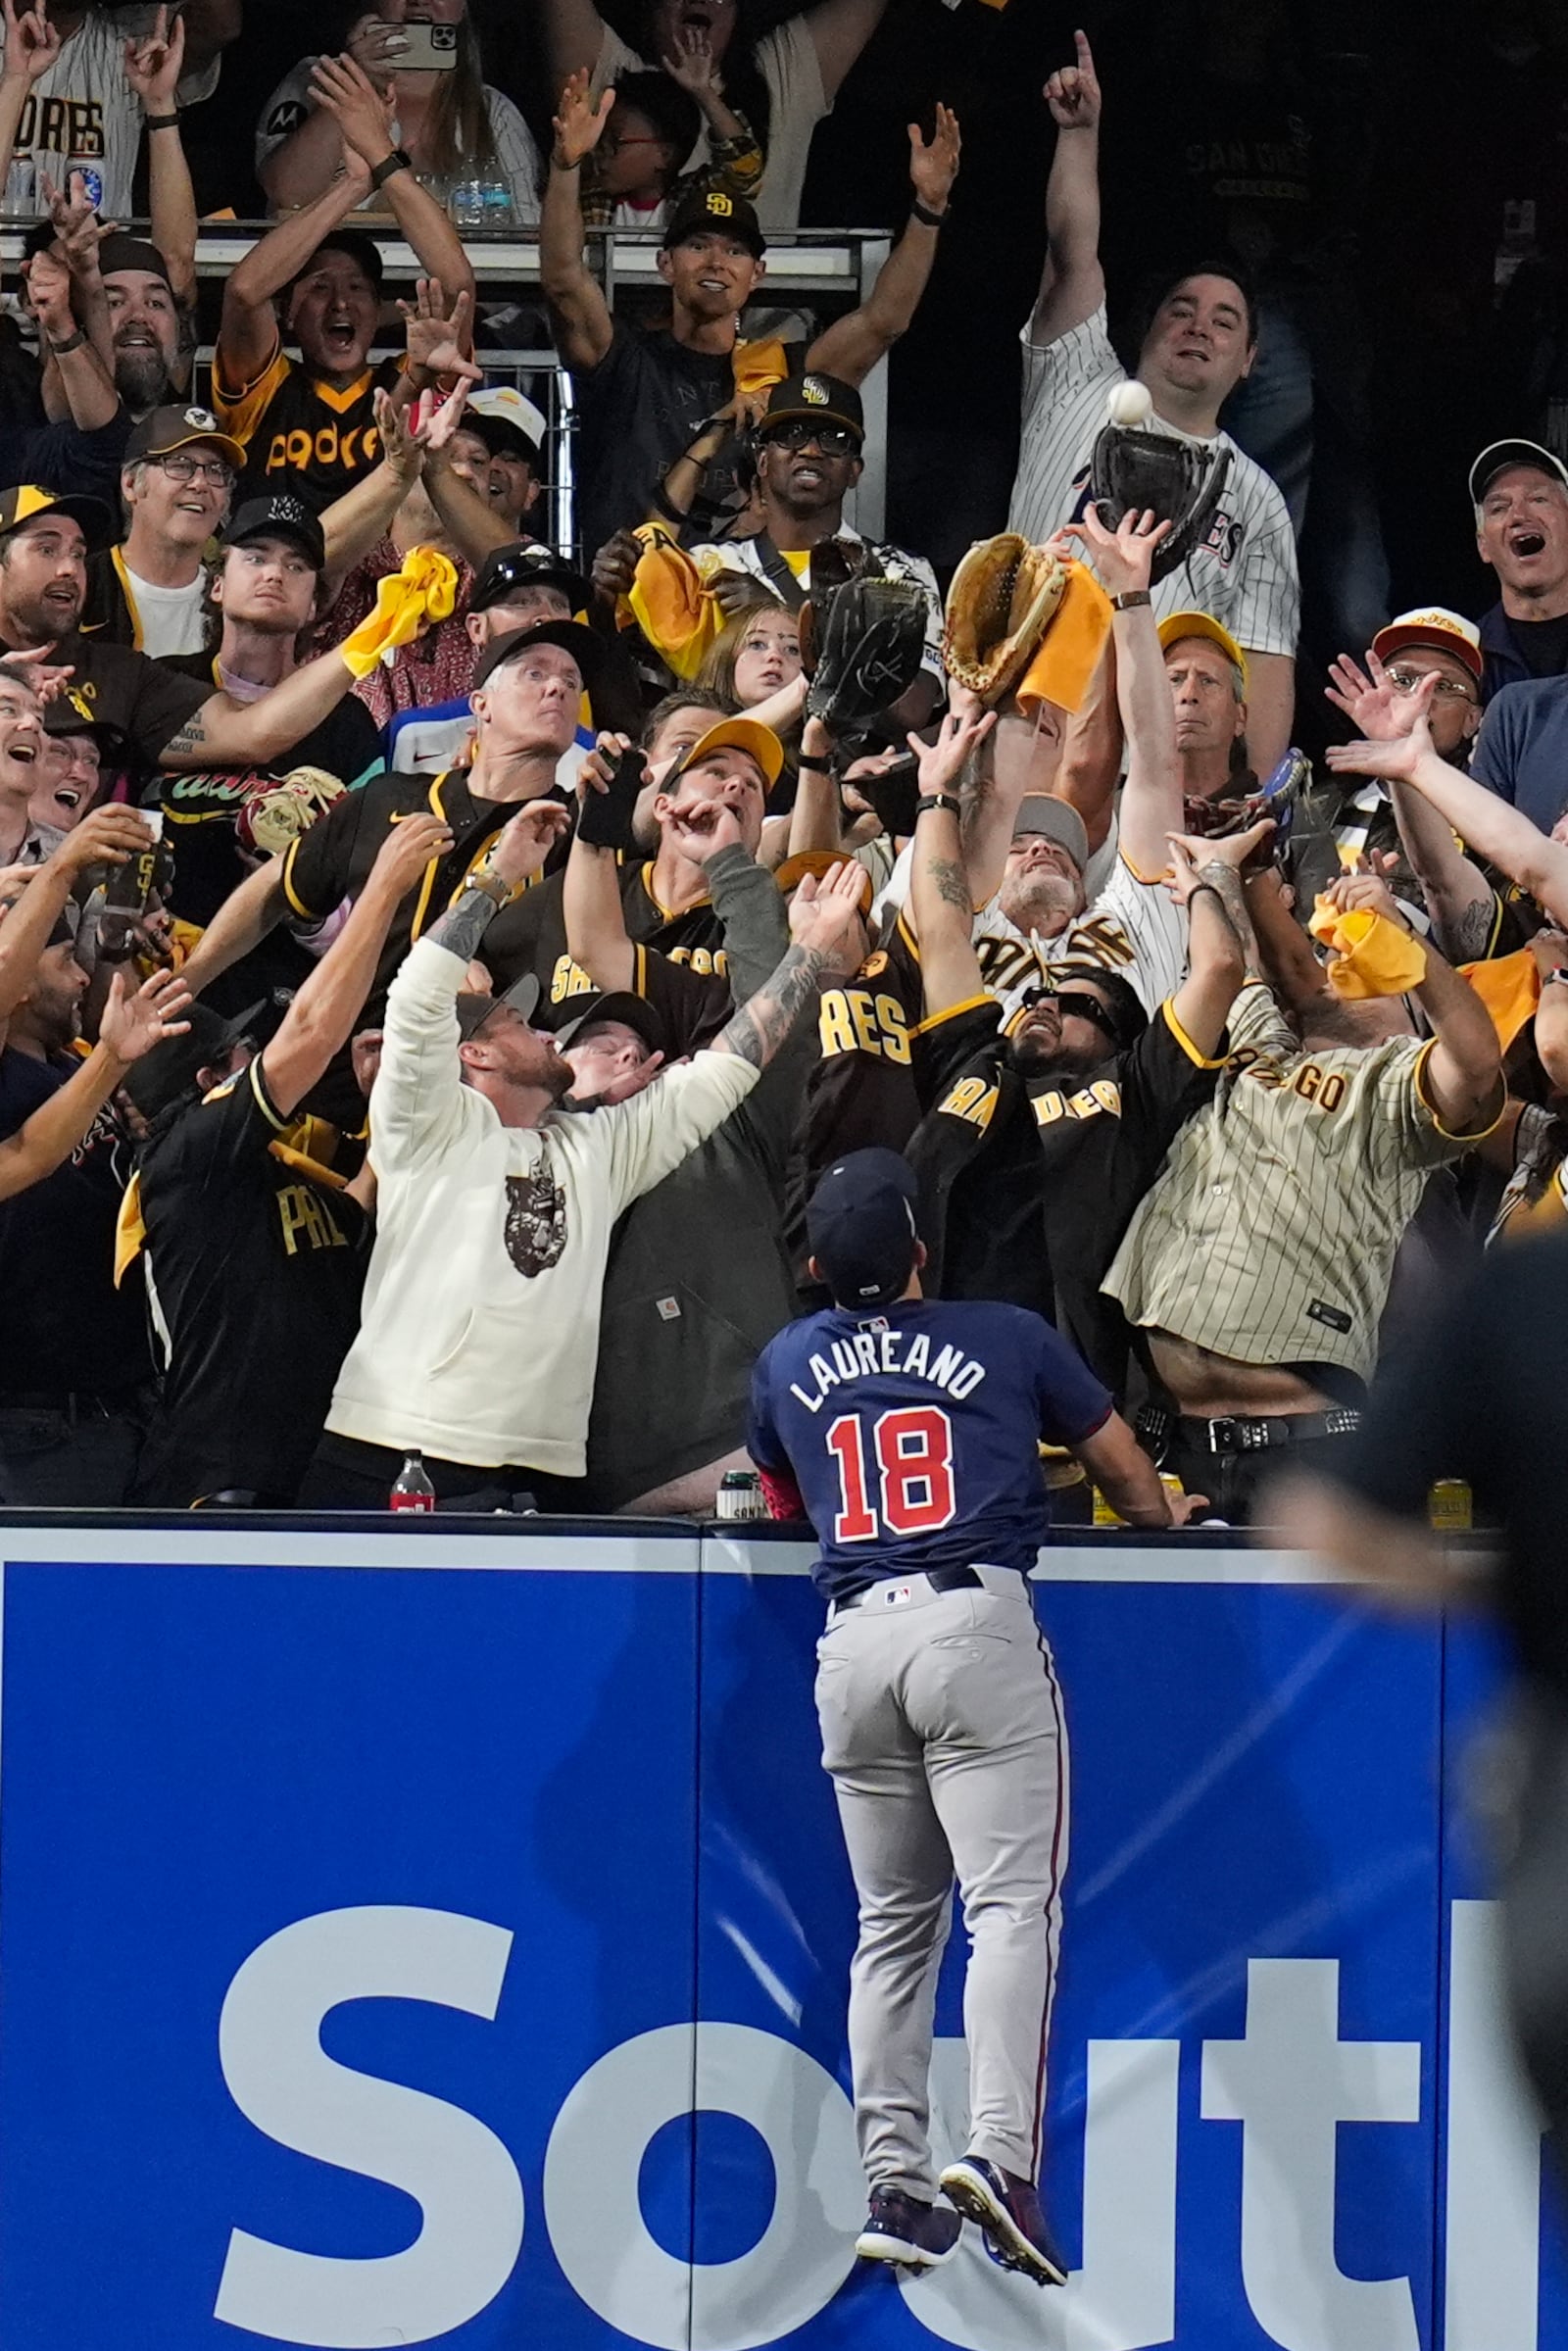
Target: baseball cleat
(1007,2208)
(901,2228)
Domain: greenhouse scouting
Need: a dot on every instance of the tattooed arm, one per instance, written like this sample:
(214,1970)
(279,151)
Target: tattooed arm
(828,942)
(1461,901)
(941,900)
(517,853)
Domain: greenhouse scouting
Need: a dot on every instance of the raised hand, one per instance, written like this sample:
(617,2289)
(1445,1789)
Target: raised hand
(48,283)
(578,123)
(439,334)
(362,112)
(694,65)
(615,567)
(1365,893)
(1073,91)
(32,44)
(523,845)
(1394,759)
(154,65)
(438,418)
(1371,700)
(826,915)
(701,828)
(941,764)
(1124,557)
(133,1024)
(934,162)
(376,46)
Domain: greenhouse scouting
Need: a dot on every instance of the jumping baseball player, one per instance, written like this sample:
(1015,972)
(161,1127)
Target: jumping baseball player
(907,1430)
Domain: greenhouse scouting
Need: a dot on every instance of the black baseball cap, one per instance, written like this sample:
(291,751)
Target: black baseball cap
(280,515)
(160,1077)
(525,564)
(817,399)
(27,501)
(634,1012)
(473,1010)
(63,716)
(359,247)
(124,252)
(709,210)
(572,636)
(860,1227)
(169,428)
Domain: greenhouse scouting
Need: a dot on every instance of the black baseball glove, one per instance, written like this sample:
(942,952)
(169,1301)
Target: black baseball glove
(869,641)
(1132,470)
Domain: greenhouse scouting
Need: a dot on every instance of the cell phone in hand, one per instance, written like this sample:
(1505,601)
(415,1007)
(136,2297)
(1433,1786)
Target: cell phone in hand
(429,48)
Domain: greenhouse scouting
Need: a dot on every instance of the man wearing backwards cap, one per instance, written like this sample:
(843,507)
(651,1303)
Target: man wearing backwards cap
(1520,495)
(907,1431)
(176,483)
(646,397)
(494,1211)
(527,690)
(309,426)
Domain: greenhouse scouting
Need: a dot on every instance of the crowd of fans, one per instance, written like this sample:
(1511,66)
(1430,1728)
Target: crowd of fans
(436,967)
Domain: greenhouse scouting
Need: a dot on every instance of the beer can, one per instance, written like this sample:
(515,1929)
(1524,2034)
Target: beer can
(1448,1506)
(1105,1515)
(740,1495)
(92,180)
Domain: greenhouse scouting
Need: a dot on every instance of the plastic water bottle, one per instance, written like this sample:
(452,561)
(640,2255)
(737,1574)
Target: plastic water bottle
(466,206)
(411,1488)
(498,213)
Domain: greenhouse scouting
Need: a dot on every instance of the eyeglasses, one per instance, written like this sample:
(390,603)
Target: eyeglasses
(186,469)
(1069,1004)
(1449,689)
(833,440)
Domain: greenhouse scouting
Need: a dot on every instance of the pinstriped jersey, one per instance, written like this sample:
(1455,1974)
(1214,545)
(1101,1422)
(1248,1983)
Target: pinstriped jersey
(1244,572)
(1270,1235)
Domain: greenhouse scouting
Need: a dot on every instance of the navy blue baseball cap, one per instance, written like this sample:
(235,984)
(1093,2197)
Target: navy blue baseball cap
(860,1227)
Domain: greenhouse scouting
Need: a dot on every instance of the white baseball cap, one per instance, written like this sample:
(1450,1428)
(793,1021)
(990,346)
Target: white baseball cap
(504,404)
(1438,629)
(1499,456)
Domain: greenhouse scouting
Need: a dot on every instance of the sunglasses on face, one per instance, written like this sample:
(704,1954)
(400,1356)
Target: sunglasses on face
(1069,1004)
(833,440)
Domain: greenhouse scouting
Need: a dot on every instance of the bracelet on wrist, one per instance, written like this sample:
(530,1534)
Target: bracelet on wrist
(164,122)
(558,163)
(806,765)
(923,212)
(938,800)
(1131,599)
(71,343)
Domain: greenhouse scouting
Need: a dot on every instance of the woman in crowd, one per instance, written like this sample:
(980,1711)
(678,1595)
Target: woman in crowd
(454,126)
(754,667)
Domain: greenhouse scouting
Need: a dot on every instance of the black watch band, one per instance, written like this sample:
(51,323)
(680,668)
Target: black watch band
(164,122)
(923,212)
(806,765)
(938,800)
(398,161)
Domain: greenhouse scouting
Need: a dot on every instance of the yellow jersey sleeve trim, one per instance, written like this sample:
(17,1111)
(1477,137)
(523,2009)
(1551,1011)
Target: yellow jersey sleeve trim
(241,411)
(1472,1134)
(306,913)
(907,935)
(263,1101)
(1148,881)
(1200,1060)
(118,558)
(971,1003)
(639,970)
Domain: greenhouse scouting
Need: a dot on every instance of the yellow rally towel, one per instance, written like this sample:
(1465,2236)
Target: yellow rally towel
(1071,646)
(1372,956)
(671,602)
(1510,990)
(425,590)
(759,366)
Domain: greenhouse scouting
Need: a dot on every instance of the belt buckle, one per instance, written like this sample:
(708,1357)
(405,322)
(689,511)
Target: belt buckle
(1222,1437)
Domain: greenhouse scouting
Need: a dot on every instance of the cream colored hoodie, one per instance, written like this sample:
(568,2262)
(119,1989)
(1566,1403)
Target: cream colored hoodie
(481,1324)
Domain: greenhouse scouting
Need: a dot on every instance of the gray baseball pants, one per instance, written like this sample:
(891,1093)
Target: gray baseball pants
(943,1730)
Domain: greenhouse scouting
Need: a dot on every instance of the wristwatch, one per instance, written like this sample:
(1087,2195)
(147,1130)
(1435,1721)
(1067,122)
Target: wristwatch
(1130,599)
(399,159)
(1559,971)
(938,800)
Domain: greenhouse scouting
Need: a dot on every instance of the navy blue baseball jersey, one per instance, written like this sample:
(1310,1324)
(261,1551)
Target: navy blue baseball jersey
(912,1433)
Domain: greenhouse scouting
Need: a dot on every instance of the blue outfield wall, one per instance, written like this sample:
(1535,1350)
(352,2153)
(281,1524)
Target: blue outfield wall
(435,1933)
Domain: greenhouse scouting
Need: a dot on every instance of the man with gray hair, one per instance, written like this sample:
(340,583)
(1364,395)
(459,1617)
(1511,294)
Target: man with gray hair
(1207,672)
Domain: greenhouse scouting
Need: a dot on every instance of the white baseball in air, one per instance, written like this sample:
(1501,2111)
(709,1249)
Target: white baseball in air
(1129,403)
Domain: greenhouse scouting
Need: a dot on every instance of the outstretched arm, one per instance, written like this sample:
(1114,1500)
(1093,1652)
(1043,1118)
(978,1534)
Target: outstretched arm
(1463,1076)
(1151,799)
(578,310)
(851,347)
(941,898)
(247,336)
(840,30)
(343,89)
(1490,825)
(573,32)
(153,68)
(596,938)
(1221,949)
(109,836)
(32,46)
(1073,286)
(131,1025)
(827,936)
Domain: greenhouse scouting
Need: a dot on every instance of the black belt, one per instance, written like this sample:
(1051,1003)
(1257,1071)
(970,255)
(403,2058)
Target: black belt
(940,1579)
(1236,1433)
